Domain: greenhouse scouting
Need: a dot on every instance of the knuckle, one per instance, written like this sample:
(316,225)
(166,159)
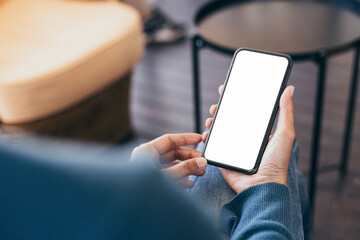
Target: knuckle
(136,149)
(177,154)
(188,166)
(290,108)
(172,144)
(167,135)
(288,133)
(292,134)
(139,148)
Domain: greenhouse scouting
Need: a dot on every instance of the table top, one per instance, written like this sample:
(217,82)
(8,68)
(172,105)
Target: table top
(298,28)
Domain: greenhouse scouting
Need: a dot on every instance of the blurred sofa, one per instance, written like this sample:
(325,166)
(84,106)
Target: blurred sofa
(65,67)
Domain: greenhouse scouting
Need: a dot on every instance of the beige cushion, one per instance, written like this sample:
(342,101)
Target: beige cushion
(55,53)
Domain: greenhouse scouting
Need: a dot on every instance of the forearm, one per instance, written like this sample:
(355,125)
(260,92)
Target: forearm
(259,212)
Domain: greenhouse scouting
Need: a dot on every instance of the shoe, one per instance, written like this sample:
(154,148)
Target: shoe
(160,29)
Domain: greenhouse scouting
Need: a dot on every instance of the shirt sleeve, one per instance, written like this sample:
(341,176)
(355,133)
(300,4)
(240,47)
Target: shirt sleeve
(259,212)
(61,199)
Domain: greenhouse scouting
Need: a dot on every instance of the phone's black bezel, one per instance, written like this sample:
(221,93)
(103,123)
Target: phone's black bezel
(272,118)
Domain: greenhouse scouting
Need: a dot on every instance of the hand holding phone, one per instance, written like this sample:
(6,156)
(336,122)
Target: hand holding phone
(250,102)
(275,161)
(240,130)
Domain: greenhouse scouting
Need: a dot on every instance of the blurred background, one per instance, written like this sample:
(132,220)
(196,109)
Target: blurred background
(155,93)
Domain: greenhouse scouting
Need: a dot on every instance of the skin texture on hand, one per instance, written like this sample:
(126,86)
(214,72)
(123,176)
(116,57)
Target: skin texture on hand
(275,161)
(177,161)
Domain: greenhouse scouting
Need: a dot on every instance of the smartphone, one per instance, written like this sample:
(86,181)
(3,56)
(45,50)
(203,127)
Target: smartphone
(247,109)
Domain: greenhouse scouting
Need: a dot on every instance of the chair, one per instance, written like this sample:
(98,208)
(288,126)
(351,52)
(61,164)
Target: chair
(65,67)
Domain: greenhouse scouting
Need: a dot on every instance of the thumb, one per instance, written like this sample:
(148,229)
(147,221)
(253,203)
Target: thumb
(285,124)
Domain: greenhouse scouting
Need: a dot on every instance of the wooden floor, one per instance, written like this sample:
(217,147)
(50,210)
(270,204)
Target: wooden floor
(162,103)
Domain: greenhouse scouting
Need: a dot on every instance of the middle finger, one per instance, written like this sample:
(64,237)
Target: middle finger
(180,154)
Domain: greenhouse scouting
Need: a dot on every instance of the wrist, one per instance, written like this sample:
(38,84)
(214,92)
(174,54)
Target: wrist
(259,180)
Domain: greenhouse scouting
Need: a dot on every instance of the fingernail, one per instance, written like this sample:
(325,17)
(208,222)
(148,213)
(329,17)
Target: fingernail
(201,162)
(292,91)
(207,121)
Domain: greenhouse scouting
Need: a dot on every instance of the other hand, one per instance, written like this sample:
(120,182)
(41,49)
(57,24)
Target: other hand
(177,161)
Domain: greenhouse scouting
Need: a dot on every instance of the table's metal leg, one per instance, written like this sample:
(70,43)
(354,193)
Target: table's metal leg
(197,43)
(316,132)
(350,114)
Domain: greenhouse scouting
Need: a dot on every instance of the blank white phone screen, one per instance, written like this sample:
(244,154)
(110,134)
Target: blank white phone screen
(245,110)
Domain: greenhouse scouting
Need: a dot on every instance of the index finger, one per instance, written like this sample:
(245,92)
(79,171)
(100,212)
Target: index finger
(171,141)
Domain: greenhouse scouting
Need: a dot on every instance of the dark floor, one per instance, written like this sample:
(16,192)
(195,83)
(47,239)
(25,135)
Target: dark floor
(162,103)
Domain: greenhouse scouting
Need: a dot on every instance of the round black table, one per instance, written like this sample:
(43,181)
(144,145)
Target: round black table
(306,30)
